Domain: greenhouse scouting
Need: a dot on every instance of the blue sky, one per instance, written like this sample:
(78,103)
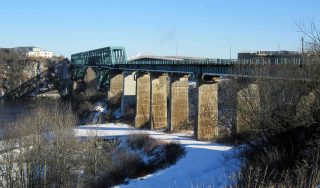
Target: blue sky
(193,27)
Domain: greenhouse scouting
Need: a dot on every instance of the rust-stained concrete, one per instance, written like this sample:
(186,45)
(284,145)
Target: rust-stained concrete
(143,101)
(159,117)
(179,102)
(207,125)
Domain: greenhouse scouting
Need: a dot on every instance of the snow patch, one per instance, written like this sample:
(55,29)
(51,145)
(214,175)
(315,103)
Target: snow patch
(100,107)
(203,164)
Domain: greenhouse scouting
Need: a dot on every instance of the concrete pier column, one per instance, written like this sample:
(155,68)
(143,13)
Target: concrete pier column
(248,107)
(207,125)
(115,88)
(143,101)
(159,117)
(128,100)
(179,102)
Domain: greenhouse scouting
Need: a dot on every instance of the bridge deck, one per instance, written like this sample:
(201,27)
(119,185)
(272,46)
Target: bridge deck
(114,58)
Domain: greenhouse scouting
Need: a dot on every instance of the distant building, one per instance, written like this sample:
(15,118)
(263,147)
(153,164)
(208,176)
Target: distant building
(32,51)
(270,57)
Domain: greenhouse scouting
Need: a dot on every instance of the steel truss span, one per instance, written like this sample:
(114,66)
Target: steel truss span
(114,58)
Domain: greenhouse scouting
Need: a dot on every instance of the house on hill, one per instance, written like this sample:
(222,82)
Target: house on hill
(31,51)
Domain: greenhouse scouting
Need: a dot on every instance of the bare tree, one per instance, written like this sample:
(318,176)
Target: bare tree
(312,34)
(281,127)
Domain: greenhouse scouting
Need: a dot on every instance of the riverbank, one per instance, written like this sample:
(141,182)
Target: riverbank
(204,164)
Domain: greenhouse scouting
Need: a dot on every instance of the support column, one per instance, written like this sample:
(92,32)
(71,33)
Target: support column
(128,99)
(248,105)
(143,101)
(159,118)
(207,125)
(179,102)
(115,89)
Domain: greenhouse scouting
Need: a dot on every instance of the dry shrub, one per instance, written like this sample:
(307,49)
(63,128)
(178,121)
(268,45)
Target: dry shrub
(85,107)
(280,145)
(279,123)
(96,96)
(126,165)
(173,152)
(83,102)
(303,174)
(130,161)
(42,153)
(43,141)
(42,150)
(139,141)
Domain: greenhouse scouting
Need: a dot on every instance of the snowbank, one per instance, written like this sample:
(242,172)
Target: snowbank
(204,164)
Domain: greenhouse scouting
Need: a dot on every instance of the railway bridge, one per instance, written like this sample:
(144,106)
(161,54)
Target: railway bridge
(157,88)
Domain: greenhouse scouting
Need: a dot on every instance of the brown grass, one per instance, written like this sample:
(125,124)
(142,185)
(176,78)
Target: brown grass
(47,153)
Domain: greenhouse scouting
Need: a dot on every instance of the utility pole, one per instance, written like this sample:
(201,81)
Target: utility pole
(176,50)
(230,45)
(302,49)
(302,45)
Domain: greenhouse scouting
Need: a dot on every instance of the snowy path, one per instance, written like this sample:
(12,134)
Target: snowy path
(203,165)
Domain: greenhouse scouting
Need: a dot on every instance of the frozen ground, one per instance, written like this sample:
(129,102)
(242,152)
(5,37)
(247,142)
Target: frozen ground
(204,164)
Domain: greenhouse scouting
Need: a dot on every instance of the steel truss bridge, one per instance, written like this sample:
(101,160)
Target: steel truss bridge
(109,59)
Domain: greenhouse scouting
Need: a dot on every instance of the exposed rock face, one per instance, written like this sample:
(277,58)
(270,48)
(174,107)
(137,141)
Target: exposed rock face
(16,69)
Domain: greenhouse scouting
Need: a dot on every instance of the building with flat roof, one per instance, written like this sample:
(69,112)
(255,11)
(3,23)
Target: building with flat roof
(270,57)
(31,51)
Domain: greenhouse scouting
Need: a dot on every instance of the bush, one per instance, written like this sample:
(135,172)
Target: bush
(85,107)
(173,152)
(140,155)
(283,158)
(41,150)
(303,174)
(277,120)
(126,165)
(46,152)
(141,141)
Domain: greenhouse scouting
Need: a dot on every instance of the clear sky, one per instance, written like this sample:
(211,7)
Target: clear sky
(193,27)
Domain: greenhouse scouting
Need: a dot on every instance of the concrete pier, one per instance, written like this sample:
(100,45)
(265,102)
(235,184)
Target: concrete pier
(115,89)
(143,101)
(128,100)
(207,125)
(179,102)
(159,117)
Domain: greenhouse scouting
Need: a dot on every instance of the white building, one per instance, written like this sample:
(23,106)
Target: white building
(32,51)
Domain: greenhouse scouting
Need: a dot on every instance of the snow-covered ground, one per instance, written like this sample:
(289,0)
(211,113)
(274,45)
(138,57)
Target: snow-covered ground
(204,164)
